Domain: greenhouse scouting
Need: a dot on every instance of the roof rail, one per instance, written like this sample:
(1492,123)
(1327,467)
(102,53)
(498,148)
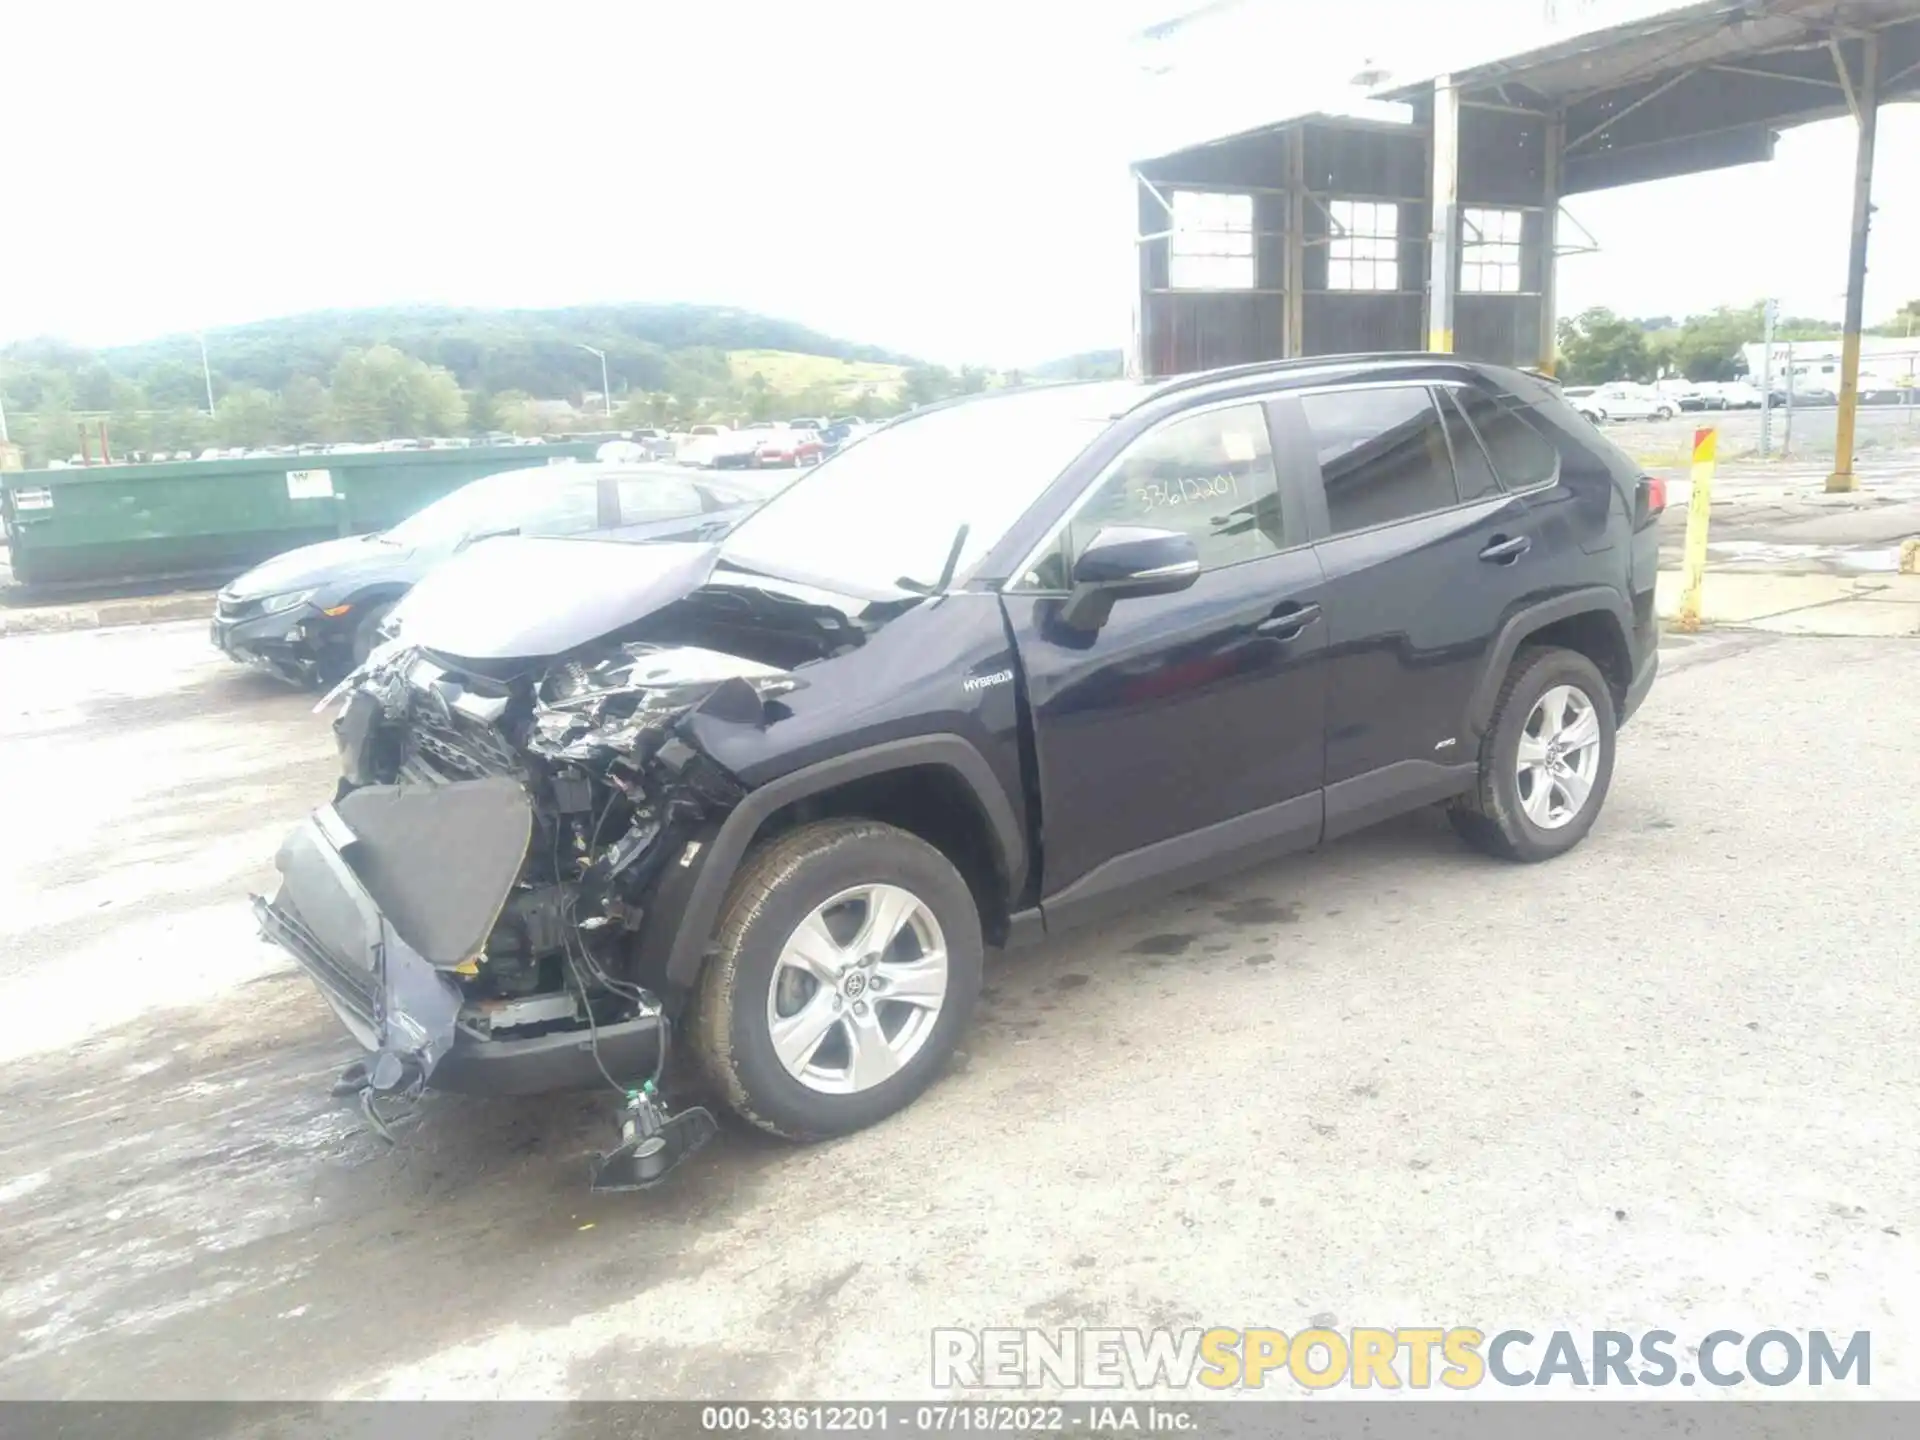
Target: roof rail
(1199,379)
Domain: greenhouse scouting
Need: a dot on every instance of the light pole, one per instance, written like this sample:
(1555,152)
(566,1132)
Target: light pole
(606,390)
(206,371)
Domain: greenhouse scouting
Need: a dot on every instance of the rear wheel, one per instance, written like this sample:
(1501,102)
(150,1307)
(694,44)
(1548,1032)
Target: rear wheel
(1545,762)
(848,965)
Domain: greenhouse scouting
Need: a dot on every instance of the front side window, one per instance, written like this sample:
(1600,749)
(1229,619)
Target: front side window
(1383,455)
(1210,476)
(1490,251)
(1211,247)
(1364,253)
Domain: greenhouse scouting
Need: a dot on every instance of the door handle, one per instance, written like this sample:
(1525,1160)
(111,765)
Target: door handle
(1287,622)
(1502,551)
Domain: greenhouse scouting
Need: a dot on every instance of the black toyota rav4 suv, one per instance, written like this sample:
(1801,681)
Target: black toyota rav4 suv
(1007,665)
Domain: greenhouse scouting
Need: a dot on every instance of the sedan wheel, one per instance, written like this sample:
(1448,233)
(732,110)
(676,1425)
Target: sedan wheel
(857,989)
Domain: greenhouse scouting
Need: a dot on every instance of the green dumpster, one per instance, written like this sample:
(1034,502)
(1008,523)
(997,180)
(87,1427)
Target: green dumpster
(211,519)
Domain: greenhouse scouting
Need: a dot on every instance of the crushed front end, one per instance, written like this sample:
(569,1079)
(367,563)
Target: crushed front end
(469,902)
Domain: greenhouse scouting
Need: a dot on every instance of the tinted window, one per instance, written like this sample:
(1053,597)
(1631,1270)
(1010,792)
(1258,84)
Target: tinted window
(1472,475)
(1522,456)
(1383,455)
(1210,475)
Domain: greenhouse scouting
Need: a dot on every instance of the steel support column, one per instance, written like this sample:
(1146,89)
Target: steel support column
(1443,254)
(1293,344)
(1866,100)
(1556,139)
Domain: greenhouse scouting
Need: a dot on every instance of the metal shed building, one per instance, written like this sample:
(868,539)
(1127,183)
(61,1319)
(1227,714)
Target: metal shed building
(1324,234)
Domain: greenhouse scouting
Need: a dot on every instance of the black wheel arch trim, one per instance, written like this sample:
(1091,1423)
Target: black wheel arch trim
(376,592)
(697,917)
(1592,599)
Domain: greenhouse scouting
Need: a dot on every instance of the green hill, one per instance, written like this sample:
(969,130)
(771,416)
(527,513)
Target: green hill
(425,370)
(535,351)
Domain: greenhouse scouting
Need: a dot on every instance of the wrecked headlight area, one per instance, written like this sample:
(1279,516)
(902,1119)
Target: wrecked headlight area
(616,790)
(470,901)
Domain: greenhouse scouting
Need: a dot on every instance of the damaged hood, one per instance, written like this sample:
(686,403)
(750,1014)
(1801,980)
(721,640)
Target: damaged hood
(519,598)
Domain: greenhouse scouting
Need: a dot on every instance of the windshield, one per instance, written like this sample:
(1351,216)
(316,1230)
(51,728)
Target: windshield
(890,507)
(539,499)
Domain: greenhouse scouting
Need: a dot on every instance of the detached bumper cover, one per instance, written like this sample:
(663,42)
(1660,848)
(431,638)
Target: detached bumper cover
(382,893)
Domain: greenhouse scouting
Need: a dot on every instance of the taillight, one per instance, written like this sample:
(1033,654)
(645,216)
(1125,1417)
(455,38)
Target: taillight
(1652,500)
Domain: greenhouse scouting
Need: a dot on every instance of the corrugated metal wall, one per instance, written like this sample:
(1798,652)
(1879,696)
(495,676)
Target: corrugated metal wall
(1503,163)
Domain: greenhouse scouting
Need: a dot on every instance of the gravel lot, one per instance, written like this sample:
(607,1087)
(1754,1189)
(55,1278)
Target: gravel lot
(1879,431)
(1668,1081)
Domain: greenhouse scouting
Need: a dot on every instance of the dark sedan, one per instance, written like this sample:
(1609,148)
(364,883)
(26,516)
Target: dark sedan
(312,614)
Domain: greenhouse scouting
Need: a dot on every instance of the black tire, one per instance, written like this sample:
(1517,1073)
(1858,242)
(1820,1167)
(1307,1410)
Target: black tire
(1490,817)
(777,888)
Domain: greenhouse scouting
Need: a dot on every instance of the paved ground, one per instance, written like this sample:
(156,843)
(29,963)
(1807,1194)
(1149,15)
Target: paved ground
(1667,1081)
(1780,518)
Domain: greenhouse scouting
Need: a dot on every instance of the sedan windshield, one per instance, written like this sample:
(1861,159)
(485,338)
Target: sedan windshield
(891,507)
(538,499)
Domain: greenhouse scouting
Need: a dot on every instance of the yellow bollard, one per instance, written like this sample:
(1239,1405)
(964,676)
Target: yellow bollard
(1706,443)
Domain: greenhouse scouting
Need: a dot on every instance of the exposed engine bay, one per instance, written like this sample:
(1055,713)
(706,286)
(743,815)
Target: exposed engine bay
(477,900)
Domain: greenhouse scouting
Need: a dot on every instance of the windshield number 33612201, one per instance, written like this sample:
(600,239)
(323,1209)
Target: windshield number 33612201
(1164,494)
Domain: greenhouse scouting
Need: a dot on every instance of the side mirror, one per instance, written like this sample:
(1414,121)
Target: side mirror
(1124,562)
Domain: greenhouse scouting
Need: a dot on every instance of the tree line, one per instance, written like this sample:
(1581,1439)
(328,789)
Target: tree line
(1598,345)
(367,376)
(383,393)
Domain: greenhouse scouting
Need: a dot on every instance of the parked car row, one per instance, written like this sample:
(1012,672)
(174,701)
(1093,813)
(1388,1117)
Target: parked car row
(761,783)
(312,614)
(1628,400)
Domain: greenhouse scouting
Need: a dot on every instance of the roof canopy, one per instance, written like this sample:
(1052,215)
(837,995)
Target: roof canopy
(1700,87)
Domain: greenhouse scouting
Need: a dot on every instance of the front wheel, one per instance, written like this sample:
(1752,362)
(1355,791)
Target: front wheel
(1665,412)
(1545,762)
(847,969)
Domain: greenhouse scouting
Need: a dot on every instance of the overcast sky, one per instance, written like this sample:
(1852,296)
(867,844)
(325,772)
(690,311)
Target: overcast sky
(946,177)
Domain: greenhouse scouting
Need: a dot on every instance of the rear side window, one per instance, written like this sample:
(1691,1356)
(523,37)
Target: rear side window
(1383,455)
(1472,473)
(1522,456)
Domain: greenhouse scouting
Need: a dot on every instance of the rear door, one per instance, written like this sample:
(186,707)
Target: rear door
(1424,554)
(1185,735)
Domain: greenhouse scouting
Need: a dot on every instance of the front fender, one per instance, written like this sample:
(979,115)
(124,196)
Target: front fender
(690,895)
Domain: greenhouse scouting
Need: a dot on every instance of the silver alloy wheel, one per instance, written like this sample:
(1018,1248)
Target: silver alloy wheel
(1559,756)
(857,989)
